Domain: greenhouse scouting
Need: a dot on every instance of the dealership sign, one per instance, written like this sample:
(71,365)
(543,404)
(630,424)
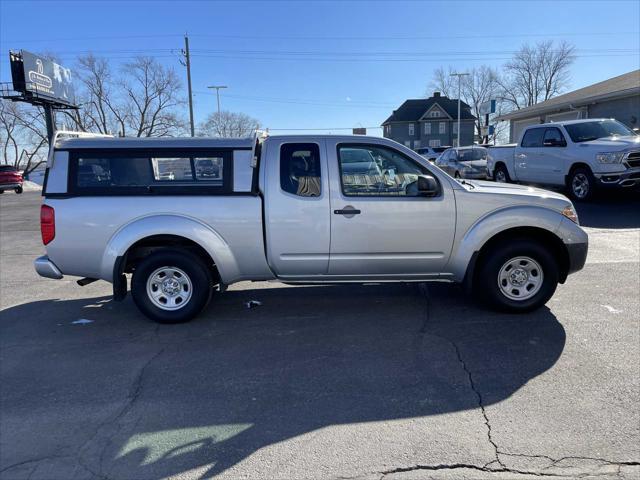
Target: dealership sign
(41,78)
(487,107)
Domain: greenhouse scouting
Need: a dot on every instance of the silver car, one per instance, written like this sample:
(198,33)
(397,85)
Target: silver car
(464,162)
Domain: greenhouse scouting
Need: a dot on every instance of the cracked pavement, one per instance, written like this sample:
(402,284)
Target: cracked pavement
(371,382)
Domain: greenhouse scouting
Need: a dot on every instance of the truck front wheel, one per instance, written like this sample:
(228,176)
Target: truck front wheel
(581,184)
(501,174)
(517,276)
(171,286)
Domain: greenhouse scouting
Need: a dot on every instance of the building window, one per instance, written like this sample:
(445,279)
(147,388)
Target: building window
(411,129)
(416,144)
(434,143)
(427,128)
(455,127)
(442,128)
(407,143)
(434,113)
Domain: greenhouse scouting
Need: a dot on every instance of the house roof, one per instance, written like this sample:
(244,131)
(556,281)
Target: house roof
(412,110)
(620,86)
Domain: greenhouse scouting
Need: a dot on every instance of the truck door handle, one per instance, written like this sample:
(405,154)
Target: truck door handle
(347,211)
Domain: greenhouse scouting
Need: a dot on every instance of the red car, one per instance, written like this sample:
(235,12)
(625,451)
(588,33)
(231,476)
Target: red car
(10,179)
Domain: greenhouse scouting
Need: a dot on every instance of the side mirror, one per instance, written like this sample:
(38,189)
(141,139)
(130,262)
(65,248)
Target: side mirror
(428,186)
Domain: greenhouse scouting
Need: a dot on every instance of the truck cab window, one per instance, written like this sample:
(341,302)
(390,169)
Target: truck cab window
(533,138)
(377,171)
(300,169)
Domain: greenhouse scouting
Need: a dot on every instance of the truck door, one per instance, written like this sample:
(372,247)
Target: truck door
(553,157)
(296,210)
(527,161)
(380,226)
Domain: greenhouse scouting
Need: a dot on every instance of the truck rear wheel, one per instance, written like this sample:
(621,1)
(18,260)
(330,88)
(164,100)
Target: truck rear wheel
(501,174)
(171,286)
(517,276)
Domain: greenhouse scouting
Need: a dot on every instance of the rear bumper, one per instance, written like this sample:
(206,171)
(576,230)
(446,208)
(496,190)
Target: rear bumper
(577,255)
(629,178)
(46,268)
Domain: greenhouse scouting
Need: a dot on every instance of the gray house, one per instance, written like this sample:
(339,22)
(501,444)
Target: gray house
(430,122)
(618,97)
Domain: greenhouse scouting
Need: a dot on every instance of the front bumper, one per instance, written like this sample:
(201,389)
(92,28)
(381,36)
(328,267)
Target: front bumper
(577,256)
(9,186)
(46,268)
(626,179)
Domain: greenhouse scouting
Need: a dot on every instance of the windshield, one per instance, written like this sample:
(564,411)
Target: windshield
(583,132)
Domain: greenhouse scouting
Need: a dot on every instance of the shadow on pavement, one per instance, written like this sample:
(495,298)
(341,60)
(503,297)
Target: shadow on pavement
(208,394)
(611,209)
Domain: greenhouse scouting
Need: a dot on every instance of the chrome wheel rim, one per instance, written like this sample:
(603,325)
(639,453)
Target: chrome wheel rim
(169,288)
(580,185)
(520,278)
(500,176)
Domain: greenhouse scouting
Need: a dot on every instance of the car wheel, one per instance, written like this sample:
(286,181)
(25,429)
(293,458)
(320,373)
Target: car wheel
(581,184)
(517,276)
(501,174)
(19,190)
(171,286)
(1,192)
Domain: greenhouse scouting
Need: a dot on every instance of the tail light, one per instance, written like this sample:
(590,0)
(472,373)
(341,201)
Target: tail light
(47,223)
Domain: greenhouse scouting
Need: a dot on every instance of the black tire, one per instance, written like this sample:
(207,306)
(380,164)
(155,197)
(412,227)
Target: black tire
(581,184)
(501,174)
(1,192)
(197,274)
(19,190)
(486,282)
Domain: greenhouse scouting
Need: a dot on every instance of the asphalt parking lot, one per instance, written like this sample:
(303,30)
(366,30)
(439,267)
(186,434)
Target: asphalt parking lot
(377,381)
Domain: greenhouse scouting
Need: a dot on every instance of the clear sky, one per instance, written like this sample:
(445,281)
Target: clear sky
(323,64)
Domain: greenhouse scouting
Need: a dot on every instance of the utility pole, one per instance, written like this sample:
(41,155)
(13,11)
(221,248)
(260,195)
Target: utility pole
(188,65)
(459,75)
(218,87)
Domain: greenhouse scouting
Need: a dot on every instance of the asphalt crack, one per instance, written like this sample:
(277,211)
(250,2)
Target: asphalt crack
(423,330)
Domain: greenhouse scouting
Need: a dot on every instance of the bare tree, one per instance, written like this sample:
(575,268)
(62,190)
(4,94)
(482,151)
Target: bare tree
(23,136)
(228,124)
(151,95)
(536,73)
(478,87)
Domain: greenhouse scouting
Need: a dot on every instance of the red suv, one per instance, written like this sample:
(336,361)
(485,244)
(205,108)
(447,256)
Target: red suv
(10,179)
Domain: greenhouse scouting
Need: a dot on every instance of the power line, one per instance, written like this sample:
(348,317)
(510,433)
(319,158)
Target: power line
(321,37)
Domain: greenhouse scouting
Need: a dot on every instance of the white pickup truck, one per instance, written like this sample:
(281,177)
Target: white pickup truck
(187,217)
(580,155)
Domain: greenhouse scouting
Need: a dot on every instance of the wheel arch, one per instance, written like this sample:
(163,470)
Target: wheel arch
(549,239)
(146,234)
(575,166)
(538,223)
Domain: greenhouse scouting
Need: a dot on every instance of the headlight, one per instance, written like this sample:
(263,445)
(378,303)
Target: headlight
(610,157)
(571,214)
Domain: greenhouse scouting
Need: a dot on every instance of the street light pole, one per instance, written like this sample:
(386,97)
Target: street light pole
(459,75)
(218,87)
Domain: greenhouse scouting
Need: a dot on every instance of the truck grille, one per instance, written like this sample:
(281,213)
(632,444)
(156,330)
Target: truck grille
(633,159)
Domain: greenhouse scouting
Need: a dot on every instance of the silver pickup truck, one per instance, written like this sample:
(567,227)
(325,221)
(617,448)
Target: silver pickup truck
(297,209)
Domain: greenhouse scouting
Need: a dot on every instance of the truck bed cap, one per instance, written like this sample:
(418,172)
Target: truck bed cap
(165,142)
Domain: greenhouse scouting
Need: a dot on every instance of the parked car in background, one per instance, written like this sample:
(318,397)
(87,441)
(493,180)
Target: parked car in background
(10,179)
(431,153)
(464,162)
(580,155)
(299,209)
